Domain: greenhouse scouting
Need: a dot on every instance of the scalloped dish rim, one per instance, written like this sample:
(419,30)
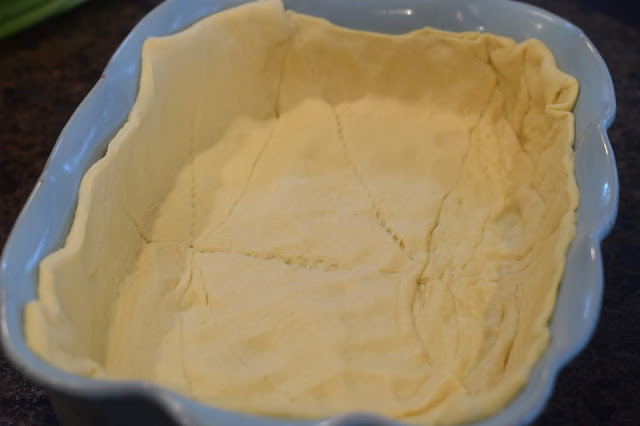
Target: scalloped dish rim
(124,71)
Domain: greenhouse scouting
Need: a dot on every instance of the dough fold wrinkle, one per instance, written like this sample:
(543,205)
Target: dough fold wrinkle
(303,220)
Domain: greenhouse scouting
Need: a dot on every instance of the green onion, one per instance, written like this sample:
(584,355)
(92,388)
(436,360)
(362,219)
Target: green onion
(16,15)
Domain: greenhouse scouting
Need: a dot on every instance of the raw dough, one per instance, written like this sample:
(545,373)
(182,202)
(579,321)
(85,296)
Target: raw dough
(302,220)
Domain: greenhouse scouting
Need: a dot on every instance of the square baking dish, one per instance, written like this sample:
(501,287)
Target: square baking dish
(45,220)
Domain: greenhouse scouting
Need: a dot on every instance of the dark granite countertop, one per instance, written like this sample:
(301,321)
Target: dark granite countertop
(46,71)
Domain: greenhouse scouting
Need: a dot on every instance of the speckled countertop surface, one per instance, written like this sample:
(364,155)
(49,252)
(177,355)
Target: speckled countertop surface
(46,71)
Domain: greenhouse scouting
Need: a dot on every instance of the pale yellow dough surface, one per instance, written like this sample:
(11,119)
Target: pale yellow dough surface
(301,220)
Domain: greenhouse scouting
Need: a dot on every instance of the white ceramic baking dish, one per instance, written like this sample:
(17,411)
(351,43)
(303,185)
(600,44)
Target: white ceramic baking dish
(45,220)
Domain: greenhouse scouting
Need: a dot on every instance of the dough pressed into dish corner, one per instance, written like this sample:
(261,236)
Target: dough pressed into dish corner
(303,220)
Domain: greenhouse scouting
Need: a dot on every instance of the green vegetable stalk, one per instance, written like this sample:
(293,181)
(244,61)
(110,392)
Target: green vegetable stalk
(16,15)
